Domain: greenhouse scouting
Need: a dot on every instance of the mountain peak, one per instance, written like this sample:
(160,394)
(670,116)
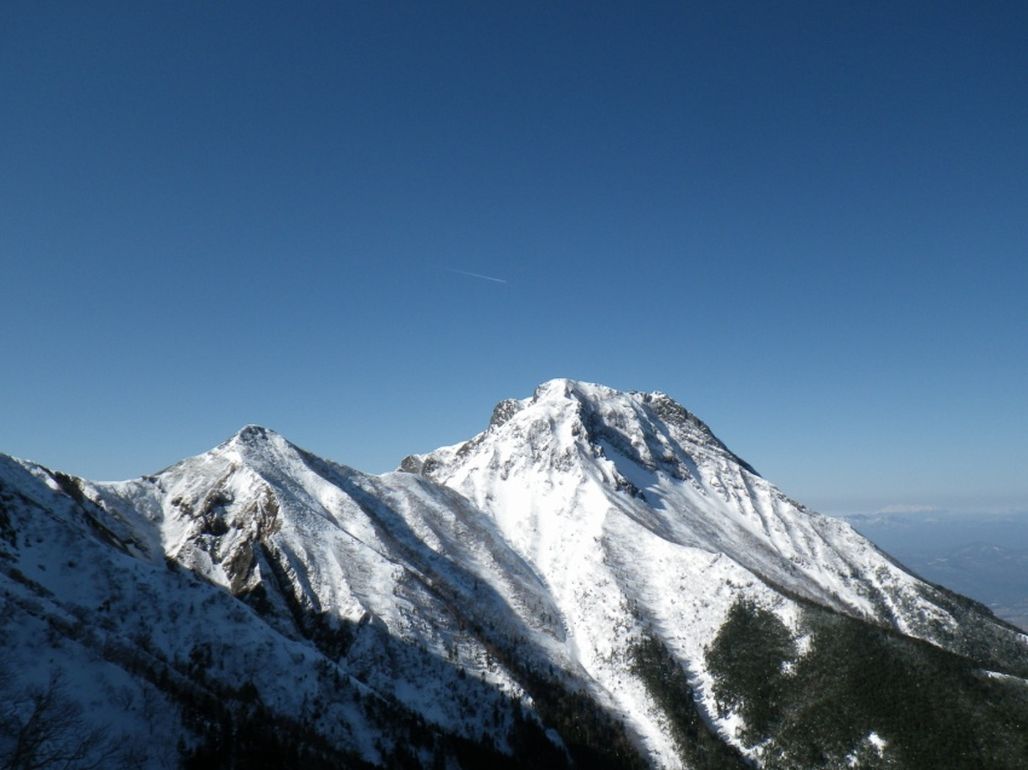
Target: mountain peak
(571,425)
(254,440)
(253,444)
(254,434)
(566,388)
(653,420)
(593,394)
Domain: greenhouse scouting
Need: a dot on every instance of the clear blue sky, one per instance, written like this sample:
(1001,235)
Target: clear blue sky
(808,222)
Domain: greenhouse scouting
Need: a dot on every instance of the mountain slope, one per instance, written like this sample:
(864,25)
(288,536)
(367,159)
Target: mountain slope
(556,591)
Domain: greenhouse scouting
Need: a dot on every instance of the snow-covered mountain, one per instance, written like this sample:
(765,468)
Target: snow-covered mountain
(558,590)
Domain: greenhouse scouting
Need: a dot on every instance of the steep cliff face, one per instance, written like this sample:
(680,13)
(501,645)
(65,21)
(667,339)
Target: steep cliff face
(559,590)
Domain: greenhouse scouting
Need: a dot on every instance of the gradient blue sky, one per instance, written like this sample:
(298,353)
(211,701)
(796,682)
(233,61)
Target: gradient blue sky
(805,221)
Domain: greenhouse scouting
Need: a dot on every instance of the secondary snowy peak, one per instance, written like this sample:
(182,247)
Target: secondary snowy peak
(254,445)
(338,551)
(253,433)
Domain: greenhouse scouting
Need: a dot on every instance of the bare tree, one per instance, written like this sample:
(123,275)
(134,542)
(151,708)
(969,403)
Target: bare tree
(46,730)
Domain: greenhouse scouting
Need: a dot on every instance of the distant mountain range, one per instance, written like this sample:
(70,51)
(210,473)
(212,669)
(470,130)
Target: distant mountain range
(984,556)
(593,581)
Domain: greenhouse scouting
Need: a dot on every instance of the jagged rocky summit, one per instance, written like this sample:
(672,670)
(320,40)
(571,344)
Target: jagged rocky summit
(595,580)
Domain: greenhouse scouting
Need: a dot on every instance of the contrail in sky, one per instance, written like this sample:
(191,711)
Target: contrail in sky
(476,275)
